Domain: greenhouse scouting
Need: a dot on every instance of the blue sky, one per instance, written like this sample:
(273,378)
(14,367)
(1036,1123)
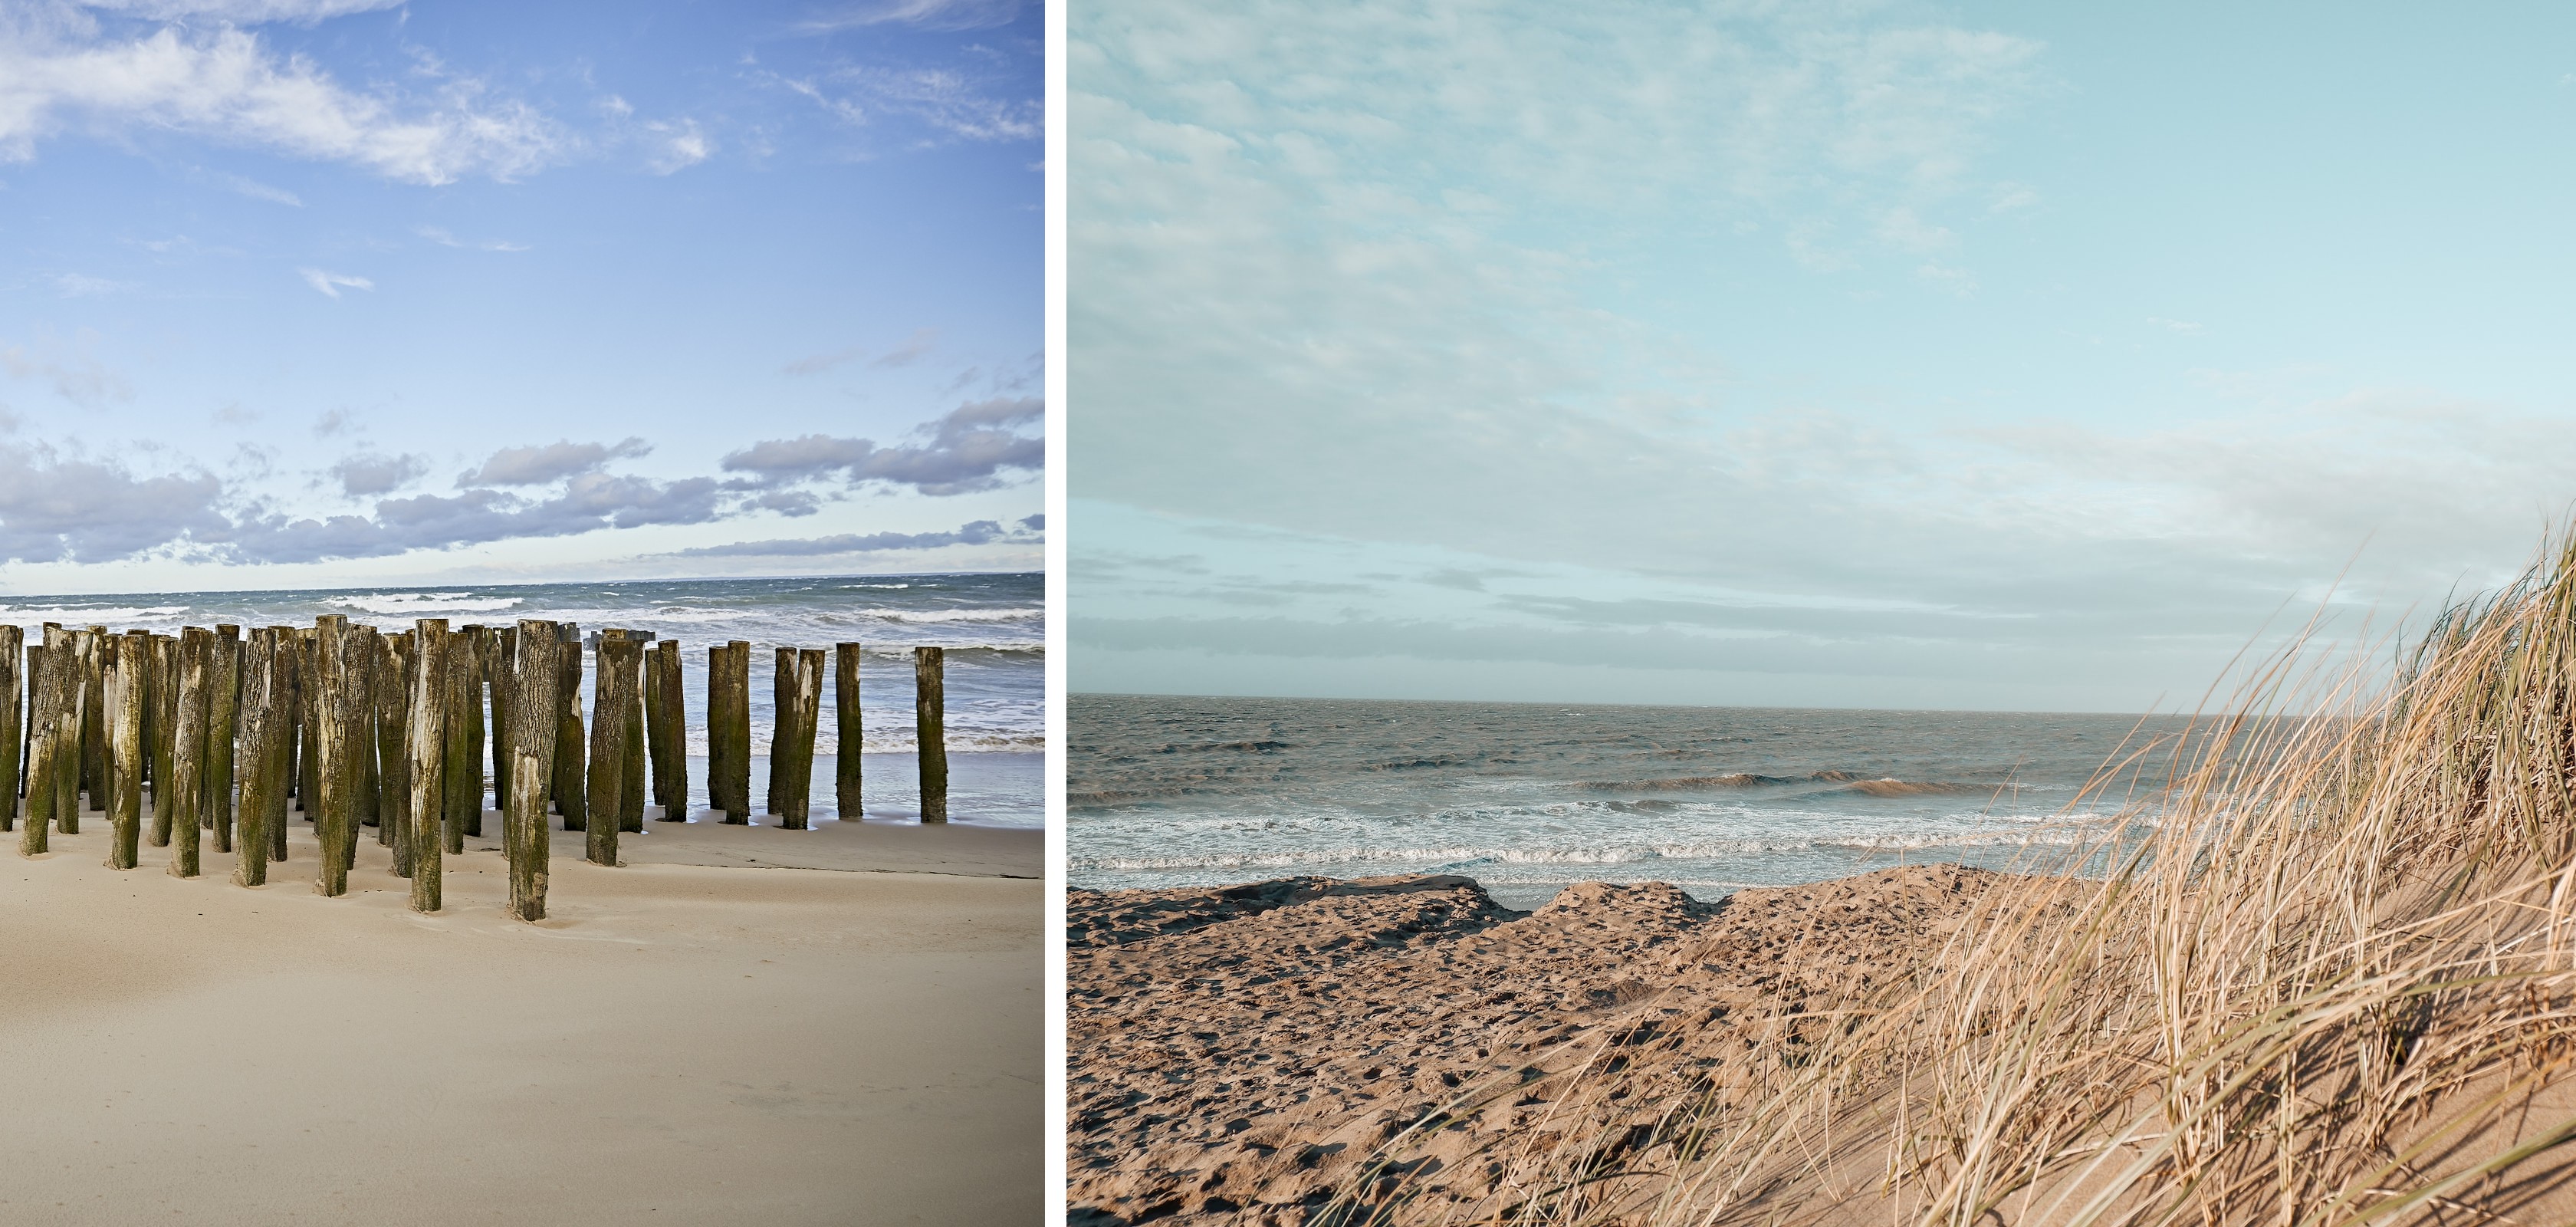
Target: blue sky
(1876,354)
(345,291)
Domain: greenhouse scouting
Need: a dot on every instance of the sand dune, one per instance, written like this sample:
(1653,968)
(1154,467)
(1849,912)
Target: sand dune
(677,1043)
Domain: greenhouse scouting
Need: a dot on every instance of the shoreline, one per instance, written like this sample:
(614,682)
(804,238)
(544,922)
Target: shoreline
(854,1034)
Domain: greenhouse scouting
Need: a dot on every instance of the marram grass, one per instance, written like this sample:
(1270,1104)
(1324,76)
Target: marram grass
(2323,974)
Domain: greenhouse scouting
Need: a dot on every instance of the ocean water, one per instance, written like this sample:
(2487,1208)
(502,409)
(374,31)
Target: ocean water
(992,626)
(1528,798)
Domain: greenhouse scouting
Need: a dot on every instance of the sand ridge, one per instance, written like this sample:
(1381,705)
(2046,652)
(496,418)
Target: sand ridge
(1235,1053)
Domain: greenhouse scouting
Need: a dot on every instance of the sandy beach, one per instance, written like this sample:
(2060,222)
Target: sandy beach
(1235,1053)
(738,1025)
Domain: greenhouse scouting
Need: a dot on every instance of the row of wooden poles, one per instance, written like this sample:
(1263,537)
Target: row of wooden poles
(365,729)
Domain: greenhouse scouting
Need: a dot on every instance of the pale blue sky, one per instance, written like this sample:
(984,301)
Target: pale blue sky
(1984,355)
(316,291)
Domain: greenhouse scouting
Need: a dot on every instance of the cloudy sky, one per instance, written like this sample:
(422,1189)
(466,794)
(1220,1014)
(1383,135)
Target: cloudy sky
(1985,355)
(359,291)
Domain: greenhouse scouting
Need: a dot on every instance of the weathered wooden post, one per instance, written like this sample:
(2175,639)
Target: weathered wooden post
(308,771)
(729,730)
(631,772)
(461,792)
(71,692)
(433,706)
(469,648)
(161,690)
(124,668)
(13,720)
(223,721)
(366,773)
(394,686)
(791,751)
(333,773)
(613,691)
(35,673)
(782,678)
(500,669)
(259,710)
(33,834)
(571,789)
(89,646)
(930,729)
(533,703)
(188,755)
(848,734)
(288,718)
(671,761)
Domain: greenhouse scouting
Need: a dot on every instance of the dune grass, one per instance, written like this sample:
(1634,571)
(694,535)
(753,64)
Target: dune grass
(2324,973)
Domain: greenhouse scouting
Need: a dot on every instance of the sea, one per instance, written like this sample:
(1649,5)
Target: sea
(993,628)
(1529,798)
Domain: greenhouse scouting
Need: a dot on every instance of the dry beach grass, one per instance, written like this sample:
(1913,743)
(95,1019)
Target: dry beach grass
(2330,983)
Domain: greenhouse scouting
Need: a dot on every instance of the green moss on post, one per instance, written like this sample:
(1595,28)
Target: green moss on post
(122,685)
(394,685)
(534,701)
(333,773)
(187,785)
(260,712)
(13,720)
(161,691)
(223,721)
(572,796)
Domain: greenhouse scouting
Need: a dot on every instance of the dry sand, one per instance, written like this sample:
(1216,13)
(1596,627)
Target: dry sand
(1235,1053)
(681,1041)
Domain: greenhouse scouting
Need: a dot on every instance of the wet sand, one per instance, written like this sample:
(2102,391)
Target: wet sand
(739,1025)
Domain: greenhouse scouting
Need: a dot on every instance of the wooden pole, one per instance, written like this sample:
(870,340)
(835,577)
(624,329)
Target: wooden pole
(470,649)
(90,647)
(631,773)
(499,669)
(13,722)
(654,703)
(223,721)
(533,702)
(671,762)
(791,758)
(930,729)
(188,753)
(433,706)
(612,692)
(70,693)
(729,730)
(308,769)
(286,715)
(33,837)
(849,737)
(394,687)
(35,659)
(782,679)
(332,740)
(461,791)
(571,789)
(161,718)
(366,771)
(258,709)
(123,688)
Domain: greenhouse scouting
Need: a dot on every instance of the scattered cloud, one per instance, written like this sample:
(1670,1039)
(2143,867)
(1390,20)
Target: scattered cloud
(329,283)
(2185,326)
(677,146)
(76,285)
(947,99)
(333,422)
(440,236)
(968,449)
(905,353)
(949,15)
(979,532)
(539,465)
(256,190)
(372,473)
(233,414)
(226,84)
(76,374)
(243,12)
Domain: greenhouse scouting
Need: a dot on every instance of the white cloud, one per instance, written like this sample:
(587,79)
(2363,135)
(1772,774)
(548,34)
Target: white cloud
(78,285)
(74,371)
(330,283)
(228,86)
(919,14)
(243,12)
(2173,325)
(677,146)
(441,236)
(257,190)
